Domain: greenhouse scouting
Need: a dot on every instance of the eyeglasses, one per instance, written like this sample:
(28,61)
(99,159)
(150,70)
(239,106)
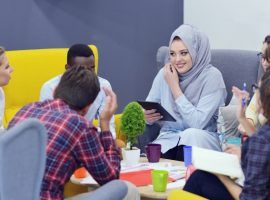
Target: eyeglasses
(254,87)
(261,56)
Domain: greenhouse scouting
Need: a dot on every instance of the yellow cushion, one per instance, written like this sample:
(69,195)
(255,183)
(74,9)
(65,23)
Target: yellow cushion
(117,119)
(32,68)
(183,195)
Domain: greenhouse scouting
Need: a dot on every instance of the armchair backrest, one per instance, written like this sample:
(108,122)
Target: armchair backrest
(32,68)
(112,190)
(237,67)
(22,158)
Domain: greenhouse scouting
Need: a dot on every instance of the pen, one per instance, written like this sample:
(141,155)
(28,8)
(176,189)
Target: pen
(244,99)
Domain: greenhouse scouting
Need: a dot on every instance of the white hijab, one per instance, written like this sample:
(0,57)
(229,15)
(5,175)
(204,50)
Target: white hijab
(203,78)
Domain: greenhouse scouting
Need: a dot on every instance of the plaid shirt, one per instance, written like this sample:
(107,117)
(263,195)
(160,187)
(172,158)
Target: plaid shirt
(72,142)
(255,161)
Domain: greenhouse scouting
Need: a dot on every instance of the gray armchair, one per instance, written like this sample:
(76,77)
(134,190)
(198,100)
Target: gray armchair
(22,158)
(237,67)
(113,190)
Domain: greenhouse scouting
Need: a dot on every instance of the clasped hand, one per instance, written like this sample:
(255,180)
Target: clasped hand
(240,95)
(170,75)
(172,79)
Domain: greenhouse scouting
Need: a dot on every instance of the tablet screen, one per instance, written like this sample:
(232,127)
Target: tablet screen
(148,105)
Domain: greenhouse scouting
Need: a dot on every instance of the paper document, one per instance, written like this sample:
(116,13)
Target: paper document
(88,180)
(177,184)
(175,172)
(216,162)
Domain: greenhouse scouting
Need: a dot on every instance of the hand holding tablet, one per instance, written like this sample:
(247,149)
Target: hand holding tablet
(151,116)
(155,109)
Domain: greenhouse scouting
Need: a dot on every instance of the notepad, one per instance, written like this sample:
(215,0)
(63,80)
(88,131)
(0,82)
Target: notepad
(216,162)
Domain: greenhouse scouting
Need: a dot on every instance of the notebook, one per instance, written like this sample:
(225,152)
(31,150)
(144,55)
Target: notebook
(216,162)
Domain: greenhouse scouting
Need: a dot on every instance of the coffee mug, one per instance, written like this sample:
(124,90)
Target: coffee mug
(153,152)
(159,180)
(234,140)
(187,155)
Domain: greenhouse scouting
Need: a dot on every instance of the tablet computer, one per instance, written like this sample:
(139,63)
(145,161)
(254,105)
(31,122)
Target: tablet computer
(148,105)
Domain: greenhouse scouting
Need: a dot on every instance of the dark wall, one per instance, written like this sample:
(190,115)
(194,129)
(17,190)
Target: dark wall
(126,32)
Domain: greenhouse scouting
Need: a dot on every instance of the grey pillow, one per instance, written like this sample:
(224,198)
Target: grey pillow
(162,56)
(227,122)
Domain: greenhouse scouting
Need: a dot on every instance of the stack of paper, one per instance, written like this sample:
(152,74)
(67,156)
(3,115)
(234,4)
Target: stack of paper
(140,174)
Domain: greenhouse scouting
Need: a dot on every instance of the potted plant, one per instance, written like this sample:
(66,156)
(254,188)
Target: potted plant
(132,125)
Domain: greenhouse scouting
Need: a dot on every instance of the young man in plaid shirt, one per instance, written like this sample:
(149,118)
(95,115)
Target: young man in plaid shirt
(72,140)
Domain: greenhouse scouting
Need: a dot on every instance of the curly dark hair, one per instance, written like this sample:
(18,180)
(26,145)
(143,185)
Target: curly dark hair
(78,87)
(78,50)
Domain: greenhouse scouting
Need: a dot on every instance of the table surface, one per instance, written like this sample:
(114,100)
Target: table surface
(145,191)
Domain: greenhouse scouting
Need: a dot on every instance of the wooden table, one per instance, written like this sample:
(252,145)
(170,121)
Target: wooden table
(146,192)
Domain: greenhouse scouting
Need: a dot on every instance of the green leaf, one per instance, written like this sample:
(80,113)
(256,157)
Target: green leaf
(132,122)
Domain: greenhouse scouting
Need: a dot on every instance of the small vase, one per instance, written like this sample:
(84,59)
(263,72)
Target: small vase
(131,157)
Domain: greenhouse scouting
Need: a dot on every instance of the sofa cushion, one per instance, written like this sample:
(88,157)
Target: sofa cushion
(32,68)
(227,122)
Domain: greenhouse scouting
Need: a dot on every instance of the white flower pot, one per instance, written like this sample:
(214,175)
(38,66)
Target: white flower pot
(131,157)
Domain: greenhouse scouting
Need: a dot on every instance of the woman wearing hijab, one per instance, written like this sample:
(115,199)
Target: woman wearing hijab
(191,90)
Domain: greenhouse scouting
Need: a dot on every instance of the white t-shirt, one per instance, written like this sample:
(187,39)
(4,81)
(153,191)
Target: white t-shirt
(95,109)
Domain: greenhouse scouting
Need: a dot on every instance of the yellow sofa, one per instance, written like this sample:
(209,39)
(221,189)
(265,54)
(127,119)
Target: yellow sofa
(183,195)
(31,69)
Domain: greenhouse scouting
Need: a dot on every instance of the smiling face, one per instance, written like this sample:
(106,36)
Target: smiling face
(180,57)
(5,70)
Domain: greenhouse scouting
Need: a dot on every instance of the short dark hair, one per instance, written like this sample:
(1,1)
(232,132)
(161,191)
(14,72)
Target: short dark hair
(78,87)
(78,50)
(265,95)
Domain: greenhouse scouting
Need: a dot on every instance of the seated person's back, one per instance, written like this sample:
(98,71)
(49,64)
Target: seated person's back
(72,140)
